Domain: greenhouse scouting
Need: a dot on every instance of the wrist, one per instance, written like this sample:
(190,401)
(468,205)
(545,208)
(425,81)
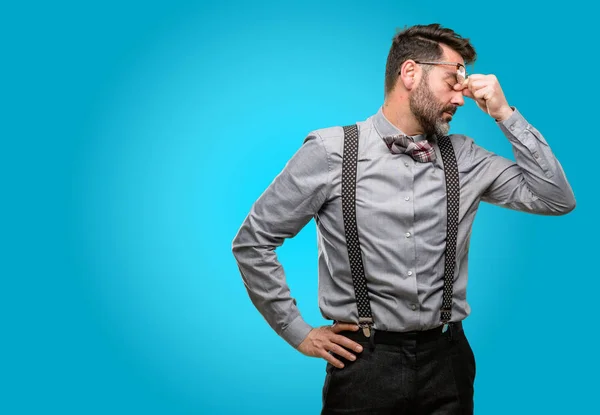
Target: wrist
(504,114)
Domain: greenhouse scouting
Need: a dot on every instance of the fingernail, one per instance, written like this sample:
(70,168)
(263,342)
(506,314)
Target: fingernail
(352,357)
(359,349)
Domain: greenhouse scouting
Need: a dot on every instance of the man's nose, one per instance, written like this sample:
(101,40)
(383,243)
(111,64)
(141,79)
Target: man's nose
(458,99)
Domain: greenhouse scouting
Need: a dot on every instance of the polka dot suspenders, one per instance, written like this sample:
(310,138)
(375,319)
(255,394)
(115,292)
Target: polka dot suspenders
(349,167)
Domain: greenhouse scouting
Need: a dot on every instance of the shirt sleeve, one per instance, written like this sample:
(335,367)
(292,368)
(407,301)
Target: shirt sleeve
(536,183)
(285,207)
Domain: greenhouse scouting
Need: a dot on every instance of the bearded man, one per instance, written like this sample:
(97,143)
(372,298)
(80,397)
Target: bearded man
(394,198)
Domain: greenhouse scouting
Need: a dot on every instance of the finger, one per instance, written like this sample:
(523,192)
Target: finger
(340,351)
(475,77)
(346,342)
(337,327)
(466,84)
(329,357)
(477,81)
(467,93)
(478,84)
(484,93)
(460,86)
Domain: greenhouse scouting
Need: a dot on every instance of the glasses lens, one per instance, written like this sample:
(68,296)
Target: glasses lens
(461,74)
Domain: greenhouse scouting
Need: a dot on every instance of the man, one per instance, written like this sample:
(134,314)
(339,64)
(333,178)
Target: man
(410,249)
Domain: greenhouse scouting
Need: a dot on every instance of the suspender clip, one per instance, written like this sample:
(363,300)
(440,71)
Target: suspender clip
(366,323)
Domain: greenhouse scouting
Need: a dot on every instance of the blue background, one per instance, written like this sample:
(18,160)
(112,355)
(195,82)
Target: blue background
(136,136)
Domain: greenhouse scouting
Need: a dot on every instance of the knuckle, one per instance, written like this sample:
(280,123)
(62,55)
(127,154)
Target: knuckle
(334,349)
(341,351)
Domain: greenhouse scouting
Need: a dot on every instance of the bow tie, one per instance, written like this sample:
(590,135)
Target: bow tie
(421,151)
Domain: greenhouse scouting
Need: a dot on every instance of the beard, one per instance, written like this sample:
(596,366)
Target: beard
(429,111)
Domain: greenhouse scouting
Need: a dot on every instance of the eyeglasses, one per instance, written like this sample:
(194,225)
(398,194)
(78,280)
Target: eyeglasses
(461,71)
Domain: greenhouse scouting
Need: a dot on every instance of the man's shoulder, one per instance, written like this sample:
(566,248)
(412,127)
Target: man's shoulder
(330,133)
(334,136)
(458,139)
(460,142)
(464,148)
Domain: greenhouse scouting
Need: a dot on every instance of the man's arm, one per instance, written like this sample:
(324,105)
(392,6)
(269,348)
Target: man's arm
(536,183)
(284,208)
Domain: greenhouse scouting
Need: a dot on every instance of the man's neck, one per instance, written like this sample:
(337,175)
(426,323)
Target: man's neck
(402,118)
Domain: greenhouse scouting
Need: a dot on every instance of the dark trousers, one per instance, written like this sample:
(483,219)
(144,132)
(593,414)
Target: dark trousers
(421,373)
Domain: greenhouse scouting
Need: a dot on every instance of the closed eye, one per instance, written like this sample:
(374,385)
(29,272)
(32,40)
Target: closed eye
(450,79)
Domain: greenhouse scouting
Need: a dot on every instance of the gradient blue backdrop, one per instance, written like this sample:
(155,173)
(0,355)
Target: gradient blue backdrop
(136,136)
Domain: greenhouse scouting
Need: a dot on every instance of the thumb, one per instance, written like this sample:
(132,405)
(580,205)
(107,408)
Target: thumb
(337,327)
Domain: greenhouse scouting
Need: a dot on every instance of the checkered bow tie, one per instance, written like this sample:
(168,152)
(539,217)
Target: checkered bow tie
(421,151)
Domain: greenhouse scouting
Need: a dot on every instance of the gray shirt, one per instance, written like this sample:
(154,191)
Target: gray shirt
(401,220)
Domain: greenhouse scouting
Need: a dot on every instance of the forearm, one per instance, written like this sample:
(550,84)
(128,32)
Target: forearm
(537,182)
(285,207)
(264,279)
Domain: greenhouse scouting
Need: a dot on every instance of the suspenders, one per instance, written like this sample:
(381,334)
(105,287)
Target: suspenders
(349,167)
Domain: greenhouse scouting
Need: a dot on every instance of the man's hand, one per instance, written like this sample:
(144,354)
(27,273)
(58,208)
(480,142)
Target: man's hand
(323,339)
(486,91)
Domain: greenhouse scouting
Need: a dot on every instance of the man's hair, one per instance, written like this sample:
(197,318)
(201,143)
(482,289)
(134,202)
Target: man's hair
(422,42)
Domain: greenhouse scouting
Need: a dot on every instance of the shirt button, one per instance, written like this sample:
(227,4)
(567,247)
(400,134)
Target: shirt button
(409,272)
(406,164)
(536,155)
(413,306)
(407,234)
(407,198)
(512,127)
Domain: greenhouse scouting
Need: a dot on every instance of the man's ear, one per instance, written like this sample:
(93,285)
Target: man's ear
(409,74)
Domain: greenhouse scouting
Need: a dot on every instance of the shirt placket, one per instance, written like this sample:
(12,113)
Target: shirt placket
(410,251)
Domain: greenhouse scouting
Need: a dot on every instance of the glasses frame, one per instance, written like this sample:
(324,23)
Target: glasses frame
(461,71)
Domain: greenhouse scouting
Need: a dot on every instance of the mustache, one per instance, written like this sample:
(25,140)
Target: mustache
(451,110)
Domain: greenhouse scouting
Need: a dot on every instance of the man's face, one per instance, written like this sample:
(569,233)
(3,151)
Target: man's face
(434,101)
(433,114)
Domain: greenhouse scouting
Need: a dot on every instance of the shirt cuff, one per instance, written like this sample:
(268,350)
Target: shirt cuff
(296,332)
(513,125)
(524,137)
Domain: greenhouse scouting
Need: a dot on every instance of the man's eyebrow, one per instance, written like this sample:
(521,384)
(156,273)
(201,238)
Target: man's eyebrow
(451,74)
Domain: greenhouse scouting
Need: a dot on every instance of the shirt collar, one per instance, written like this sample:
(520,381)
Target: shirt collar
(385,128)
